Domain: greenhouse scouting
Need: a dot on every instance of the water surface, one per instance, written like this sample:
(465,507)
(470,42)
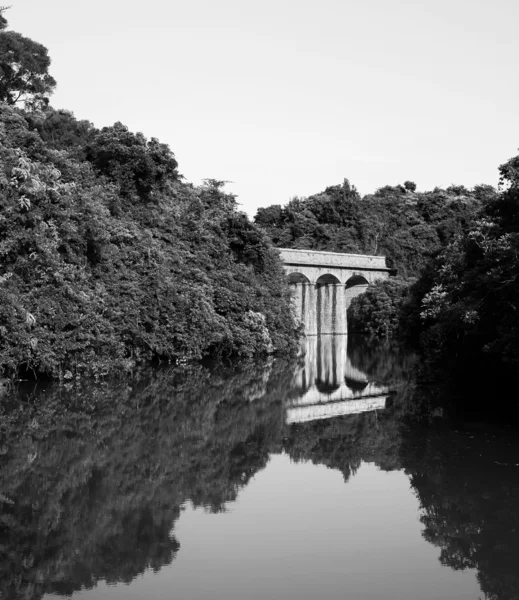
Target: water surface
(335,477)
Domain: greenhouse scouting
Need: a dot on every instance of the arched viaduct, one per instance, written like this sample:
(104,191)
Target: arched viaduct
(324,284)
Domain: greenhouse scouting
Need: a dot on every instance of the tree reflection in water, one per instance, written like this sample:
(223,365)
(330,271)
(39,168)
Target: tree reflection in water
(467,482)
(93,479)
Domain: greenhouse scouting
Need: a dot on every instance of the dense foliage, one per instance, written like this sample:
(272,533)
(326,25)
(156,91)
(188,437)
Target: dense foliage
(113,259)
(465,305)
(406,226)
(377,311)
(107,257)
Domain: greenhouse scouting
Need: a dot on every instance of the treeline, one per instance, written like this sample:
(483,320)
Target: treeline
(466,303)
(406,226)
(454,251)
(107,256)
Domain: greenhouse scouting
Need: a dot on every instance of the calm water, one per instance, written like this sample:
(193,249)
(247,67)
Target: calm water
(336,477)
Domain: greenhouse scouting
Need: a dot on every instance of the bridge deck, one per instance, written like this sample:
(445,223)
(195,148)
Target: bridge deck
(338,260)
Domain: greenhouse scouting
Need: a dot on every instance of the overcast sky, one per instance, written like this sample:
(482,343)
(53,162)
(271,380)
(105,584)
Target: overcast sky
(287,97)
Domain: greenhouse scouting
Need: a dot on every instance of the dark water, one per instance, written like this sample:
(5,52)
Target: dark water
(337,477)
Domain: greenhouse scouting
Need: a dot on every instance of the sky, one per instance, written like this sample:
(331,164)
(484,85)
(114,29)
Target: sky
(283,98)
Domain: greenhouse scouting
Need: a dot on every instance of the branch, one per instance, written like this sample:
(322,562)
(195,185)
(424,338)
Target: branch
(20,94)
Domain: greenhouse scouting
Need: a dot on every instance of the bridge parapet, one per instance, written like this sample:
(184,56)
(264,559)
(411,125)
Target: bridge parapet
(337,260)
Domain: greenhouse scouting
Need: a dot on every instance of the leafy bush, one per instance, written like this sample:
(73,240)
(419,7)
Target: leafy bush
(377,311)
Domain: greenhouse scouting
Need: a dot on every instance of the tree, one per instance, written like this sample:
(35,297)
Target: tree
(24,69)
(3,20)
(457,190)
(60,130)
(139,166)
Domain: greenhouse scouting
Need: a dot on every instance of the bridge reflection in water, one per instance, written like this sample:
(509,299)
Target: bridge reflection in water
(328,385)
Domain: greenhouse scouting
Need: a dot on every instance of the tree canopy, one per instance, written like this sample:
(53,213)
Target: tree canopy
(112,260)
(464,306)
(139,166)
(24,69)
(406,226)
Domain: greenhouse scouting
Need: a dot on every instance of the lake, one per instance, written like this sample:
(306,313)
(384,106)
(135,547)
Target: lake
(337,475)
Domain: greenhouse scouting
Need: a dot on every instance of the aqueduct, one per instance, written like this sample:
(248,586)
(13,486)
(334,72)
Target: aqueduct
(324,284)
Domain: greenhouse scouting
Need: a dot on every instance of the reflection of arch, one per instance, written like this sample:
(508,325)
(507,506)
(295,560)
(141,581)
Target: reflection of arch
(298,278)
(327,280)
(355,385)
(326,387)
(356,280)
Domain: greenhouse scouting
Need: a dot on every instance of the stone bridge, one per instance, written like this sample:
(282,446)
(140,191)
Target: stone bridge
(324,284)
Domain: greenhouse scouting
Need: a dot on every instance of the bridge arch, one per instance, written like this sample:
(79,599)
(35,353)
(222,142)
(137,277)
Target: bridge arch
(296,277)
(327,279)
(356,280)
(355,286)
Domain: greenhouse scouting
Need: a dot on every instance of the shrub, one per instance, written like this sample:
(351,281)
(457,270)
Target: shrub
(377,311)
